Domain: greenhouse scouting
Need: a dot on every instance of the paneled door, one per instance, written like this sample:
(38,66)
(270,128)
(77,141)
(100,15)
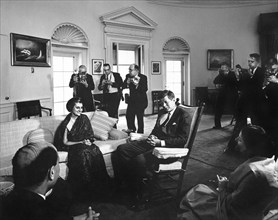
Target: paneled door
(63,67)
(175,78)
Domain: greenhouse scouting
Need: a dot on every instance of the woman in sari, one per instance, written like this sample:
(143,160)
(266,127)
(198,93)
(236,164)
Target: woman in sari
(248,192)
(87,171)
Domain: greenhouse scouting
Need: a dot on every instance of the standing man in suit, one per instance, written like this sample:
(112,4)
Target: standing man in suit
(111,85)
(171,130)
(137,101)
(251,99)
(226,83)
(83,85)
(271,92)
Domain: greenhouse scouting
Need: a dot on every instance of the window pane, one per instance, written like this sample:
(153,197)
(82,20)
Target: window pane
(58,79)
(126,57)
(173,77)
(68,93)
(123,70)
(57,63)
(66,78)
(68,64)
(58,94)
(59,108)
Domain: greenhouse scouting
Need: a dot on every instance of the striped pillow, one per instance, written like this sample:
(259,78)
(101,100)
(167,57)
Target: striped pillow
(102,125)
(40,135)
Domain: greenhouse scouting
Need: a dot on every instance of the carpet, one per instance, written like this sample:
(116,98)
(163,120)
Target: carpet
(209,148)
(207,159)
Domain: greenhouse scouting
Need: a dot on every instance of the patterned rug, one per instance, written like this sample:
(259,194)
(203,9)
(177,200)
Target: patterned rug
(207,159)
(209,148)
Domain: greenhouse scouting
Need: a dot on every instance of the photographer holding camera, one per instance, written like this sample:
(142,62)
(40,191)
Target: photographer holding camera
(111,85)
(271,94)
(138,101)
(83,84)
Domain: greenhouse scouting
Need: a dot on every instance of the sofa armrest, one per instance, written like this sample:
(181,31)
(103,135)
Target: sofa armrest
(115,134)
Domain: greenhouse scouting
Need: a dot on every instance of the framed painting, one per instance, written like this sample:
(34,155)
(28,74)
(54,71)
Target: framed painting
(29,51)
(97,66)
(218,57)
(156,67)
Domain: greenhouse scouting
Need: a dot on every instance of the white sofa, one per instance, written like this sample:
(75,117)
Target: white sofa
(14,135)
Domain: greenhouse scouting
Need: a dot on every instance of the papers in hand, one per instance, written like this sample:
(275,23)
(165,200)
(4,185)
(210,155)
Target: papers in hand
(171,166)
(164,153)
(267,168)
(137,137)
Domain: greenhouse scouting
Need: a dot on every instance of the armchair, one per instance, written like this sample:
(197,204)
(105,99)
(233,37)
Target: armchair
(173,161)
(30,108)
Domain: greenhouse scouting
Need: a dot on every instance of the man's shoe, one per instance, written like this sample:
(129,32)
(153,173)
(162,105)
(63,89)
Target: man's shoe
(138,204)
(128,131)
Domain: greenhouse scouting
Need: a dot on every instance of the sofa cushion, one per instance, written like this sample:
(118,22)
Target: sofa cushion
(40,135)
(102,125)
(109,146)
(116,134)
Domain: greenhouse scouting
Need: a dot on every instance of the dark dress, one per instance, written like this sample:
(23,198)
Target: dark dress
(86,165)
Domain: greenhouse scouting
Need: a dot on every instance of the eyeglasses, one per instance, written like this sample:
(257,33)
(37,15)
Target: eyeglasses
(106,70)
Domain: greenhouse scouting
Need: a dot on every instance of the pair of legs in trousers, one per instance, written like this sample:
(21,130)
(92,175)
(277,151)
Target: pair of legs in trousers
(112,102)
(131,112)
(219,109)
(132,161)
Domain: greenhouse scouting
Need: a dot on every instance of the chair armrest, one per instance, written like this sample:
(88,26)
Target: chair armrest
(49,109)
(164,153)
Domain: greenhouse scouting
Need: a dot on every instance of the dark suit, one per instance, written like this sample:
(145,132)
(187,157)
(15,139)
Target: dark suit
(111,101)
(25,205)
(135,156)
(137,103)
(85,93)
(250,103)
(227,95)
(22,204)
(271,123)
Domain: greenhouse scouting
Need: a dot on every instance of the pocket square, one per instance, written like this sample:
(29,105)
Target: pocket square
(174,123)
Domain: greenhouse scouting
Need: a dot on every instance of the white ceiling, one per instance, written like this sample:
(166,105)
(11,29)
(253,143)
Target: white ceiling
(214,3)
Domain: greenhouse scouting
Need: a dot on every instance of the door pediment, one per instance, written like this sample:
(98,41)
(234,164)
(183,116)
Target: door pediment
(128,17)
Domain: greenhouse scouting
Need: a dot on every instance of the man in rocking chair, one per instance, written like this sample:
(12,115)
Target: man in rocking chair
(171,130)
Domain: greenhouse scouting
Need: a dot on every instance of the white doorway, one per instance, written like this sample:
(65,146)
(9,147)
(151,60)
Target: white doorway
(175,77)
(65,61)
(63,66)
(123,56)
(176,54)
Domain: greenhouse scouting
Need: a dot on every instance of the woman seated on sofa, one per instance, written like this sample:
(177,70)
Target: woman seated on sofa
(249,191)
(87,172)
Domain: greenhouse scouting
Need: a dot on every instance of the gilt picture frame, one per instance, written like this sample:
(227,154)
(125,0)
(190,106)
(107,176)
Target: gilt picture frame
(156,67)
(30,51)
(217,57)
(97,66)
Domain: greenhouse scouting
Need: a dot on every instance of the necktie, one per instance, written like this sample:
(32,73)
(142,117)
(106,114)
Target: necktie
(167,119)
(106,87)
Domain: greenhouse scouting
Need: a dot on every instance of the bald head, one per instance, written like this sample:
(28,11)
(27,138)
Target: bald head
(32,162)
(82,69)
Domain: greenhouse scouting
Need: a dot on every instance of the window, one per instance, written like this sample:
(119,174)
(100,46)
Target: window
(70,46)
(62,70)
